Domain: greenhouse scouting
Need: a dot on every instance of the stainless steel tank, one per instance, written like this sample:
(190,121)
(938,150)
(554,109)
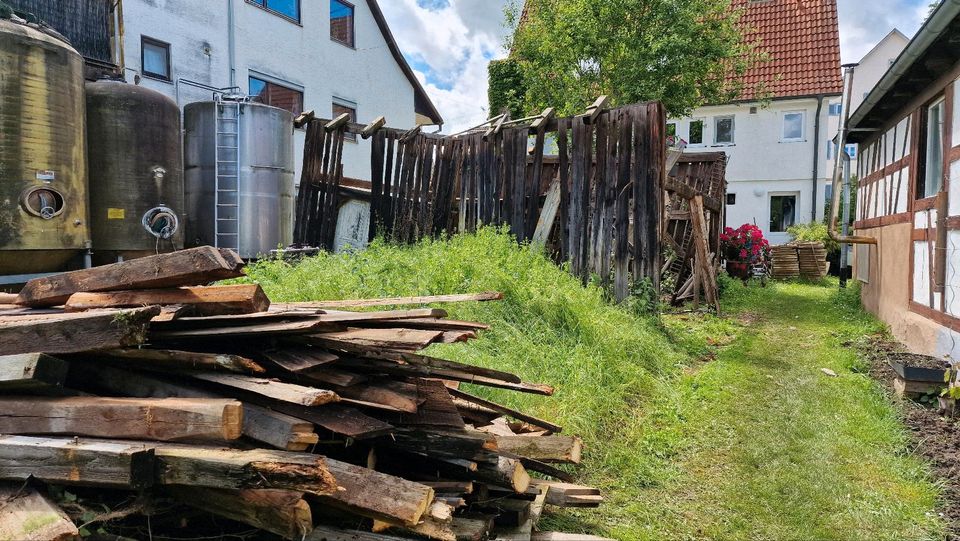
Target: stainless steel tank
(136,171)
(43,163)
(246,150)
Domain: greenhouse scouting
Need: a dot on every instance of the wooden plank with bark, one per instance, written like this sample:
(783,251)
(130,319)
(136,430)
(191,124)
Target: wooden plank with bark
(197,301)
(174,360)
(191,267)
(97,463)
(72,333)
(281,512)
(558,449)
(31,372)
(27,515)
(161,419)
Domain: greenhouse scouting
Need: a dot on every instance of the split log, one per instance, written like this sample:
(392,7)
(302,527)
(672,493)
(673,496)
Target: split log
(559,449)
(31,372)
(163,359)
(505,472)
(197,301)
(26,515)
(184,268)
(72,333)
(208,467)
(277,390)
(399,301)
(163,419)
(97,463)
(280,512)
(377,495)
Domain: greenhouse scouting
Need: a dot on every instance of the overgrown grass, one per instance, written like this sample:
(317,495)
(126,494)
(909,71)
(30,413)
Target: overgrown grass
(697,427)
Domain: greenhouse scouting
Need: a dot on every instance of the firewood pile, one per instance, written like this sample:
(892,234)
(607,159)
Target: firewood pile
(193,410)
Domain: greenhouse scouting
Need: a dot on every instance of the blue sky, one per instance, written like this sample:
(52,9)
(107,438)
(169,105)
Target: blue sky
(450,42)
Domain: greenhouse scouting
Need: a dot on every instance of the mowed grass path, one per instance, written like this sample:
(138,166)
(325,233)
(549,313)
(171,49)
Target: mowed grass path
(768,446)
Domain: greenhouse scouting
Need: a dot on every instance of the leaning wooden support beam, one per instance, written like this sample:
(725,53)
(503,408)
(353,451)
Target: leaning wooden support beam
(280,512)
(98,463)
(192,267)
(26,515)
(557,449)
(72,333)
(161,419)
(398,301)
(197,301)
(377,495)
(35,372)
(164,360)
(233,469)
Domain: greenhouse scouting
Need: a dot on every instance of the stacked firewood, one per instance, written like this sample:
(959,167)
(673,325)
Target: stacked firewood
(318,421)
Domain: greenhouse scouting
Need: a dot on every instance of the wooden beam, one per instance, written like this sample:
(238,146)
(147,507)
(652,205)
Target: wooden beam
(277,390)
(435,524)
(97,463)
(396,301)
(544,119)
(518,415)
(373,127)
(548,215)
(293,325)
(281,512)
(172,360)
(393,339)
(590,115)
(523,531)
(31,372)
(72,333)
(337,122)
(303,119)
(192,267)
(197,301)
(376,495)
(282,431)
(391,315)
(26,515)
(558,449)
(505,472)
(162,419)
(495,129)
(233,469)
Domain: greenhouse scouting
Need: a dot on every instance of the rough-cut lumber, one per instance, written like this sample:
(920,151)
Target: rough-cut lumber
(197,301)
(235,469)
(31,372)
(520,416)
(450,487)
(399,339)
(435,524)
(471,529)
(506,472)
(426,323)
(101,463)
(163,359)
(277,390)
(358,319)
(26,515)
(72,333)
(395,395)
(399,301)
(277,429)
(523,531)
(333,376)
(192,267)
(377,495)
(162,419)
(299,359)
(452,337)
(567,494)
(293,325)
(443,444)
(284,513)
(559,449)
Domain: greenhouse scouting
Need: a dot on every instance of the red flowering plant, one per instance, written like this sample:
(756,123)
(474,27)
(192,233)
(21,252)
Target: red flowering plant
(744,248)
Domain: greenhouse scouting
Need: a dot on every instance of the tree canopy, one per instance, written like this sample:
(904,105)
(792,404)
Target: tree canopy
(685,53)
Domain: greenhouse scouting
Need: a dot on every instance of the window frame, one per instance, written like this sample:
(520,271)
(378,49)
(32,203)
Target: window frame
(733,130)
(346,104)
(796,205)
(276,82)
(264,5)
(803,127)
(703,126)
(838,107)
(147,40)
(924,150)
(353,25)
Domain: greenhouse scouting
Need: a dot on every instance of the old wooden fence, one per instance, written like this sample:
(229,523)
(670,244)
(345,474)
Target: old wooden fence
(597,204)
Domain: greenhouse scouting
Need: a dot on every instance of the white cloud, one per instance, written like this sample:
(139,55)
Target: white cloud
(864,24)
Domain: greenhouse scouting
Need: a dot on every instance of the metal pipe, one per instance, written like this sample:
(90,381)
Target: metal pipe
(232,43)
(816,158)
(188,82)
(842,155)
(848,74)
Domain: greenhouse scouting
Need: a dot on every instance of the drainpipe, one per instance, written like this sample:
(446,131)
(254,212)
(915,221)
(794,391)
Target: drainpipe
(232,43)
(848,74)
(816,158)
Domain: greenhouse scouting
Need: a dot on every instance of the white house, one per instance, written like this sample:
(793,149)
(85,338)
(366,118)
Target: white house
(776,135)
(330,56)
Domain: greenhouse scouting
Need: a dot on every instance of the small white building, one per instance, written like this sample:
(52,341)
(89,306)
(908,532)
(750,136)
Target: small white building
(776,137)
(329,56)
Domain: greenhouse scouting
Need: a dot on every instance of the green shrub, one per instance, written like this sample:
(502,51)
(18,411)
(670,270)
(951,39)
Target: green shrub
(814,232)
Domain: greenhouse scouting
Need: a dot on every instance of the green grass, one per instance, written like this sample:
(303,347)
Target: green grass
(697,427)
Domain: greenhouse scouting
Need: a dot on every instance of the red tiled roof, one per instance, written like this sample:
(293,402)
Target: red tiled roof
(801,39)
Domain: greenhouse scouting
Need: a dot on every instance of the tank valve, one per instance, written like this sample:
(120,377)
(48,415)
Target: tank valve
(161,222)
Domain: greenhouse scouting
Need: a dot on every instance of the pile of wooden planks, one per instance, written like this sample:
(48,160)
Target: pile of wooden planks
(786,262)
(138,400)
(812,260)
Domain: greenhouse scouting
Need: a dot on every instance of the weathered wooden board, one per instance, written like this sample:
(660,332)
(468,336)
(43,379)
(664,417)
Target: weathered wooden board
(26,515)
(172,360)
(395,339)
(162,419)
(277,390)
(192,267)
(299,359)
(520,416)
(281,512)
(377,495)
(197,301)
(71,333)
(399,301)
(31,372)
(559,449)
(97,463)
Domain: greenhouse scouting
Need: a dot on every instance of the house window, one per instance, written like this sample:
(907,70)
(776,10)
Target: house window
(851,151)
(723,130)
(341,23)
(342,106)
(270,93)
(783,212)
(793,126)
(155,58)
(731,199)
(672,129)
(836,109)
(831,149)
(287,8)
(932,177)
(696,132)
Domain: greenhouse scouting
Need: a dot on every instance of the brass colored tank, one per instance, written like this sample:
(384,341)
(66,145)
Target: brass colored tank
(43,163)
(136,171)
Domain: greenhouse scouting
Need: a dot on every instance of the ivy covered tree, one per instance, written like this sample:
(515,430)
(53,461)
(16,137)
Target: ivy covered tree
(565,53)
